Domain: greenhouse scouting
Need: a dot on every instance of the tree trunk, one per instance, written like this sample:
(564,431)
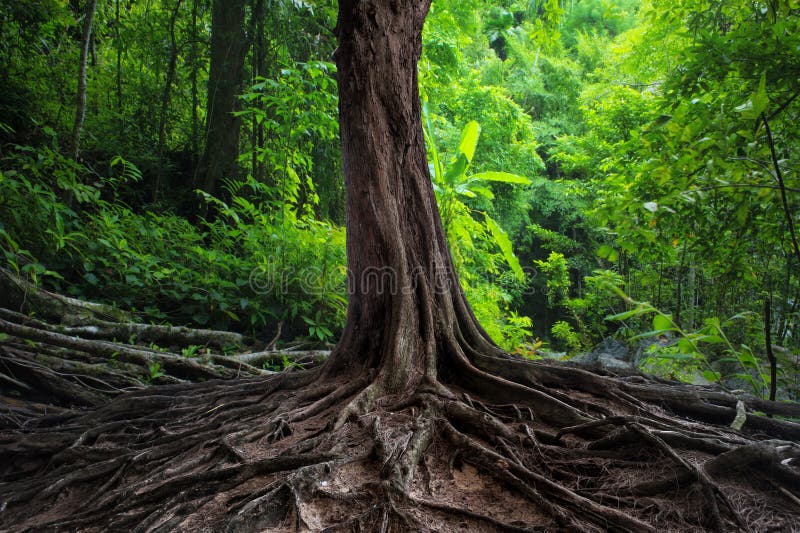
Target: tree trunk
(118,44)
(80,111)
(406,304)
(165,98)
(256,128)
(229,46)
(195,99)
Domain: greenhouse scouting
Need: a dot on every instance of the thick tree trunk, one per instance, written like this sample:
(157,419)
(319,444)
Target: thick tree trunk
(229,46)
(80,110)
(406,305)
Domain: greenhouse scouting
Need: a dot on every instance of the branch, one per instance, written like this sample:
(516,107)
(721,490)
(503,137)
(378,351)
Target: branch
(782,185)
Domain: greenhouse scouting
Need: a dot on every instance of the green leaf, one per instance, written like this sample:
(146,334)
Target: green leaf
(628,314)
(661,121)
(469,140)
(758,101)
(607,252)
(483,191)
(686,346)
(662,323)
(456,170)
(760,98)
(504,243)
(504,177)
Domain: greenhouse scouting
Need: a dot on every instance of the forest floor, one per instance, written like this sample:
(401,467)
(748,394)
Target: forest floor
(181,431)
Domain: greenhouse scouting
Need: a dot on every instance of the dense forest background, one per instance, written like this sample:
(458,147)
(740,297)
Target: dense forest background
(603,168)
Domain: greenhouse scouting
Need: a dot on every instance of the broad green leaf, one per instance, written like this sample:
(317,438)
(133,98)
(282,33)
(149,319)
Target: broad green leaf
(686,346)
(469,140)
(662,323)
(456,170)
(504,177)
(758,101)
(760,98)
(483,191)
(504,243)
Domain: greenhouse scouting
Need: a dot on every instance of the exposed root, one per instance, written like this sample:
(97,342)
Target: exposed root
(290,452)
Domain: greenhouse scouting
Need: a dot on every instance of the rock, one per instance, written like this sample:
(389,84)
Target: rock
(614,349)
(609,362)
(610,354)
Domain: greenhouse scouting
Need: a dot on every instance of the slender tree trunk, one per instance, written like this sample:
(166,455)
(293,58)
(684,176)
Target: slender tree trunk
(679,288)
(773,362)
(406,305)
(80,112)
(229,44)
(195,98)
(118,39)
(257,31)
(692,286)
(778,175)
(261,62)
(660,282)
(165,97)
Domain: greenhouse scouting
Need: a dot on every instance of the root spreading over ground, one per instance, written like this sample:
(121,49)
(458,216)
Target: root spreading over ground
(504,445)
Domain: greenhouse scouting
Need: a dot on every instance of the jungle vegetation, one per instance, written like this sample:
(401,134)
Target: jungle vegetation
(591,158)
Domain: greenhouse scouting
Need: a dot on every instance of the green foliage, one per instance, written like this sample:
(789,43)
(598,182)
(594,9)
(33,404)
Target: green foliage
(297,113)
(557,275)
(216,273)
(565,336)
(191,351)
(704,355)
(154,371)
(478,243)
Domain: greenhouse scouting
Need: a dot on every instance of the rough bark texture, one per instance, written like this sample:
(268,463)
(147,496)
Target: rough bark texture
(406,304)
(417,421)
(229,45)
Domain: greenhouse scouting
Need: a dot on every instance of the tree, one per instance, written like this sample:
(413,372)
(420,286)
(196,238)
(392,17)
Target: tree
(162,121)
(388,433)
(229,46)
(80,110)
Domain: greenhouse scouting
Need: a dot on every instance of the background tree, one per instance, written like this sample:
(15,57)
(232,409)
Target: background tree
(80,109)
(229,46)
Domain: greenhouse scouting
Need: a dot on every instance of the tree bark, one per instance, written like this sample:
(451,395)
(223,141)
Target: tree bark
(80,111)
(229,45)
(165,98)
(406,304)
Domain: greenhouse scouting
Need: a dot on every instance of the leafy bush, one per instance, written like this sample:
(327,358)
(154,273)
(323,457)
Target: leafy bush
(245,270)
